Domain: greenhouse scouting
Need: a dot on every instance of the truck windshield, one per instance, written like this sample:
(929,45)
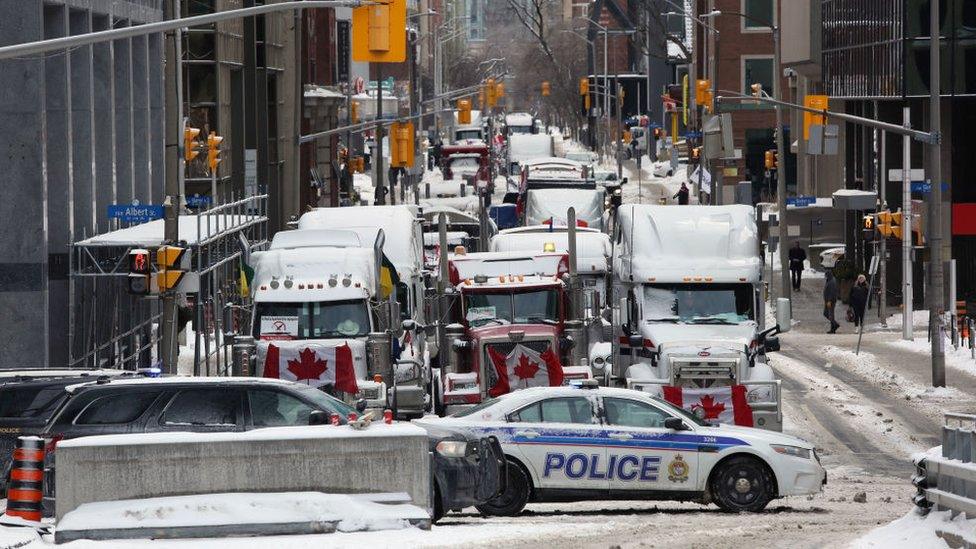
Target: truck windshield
(519,129)
(532,307)
(317,320)
(465,163)
(467,134)
(698,303)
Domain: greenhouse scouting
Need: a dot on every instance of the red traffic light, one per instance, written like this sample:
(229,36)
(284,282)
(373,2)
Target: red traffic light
(139,262)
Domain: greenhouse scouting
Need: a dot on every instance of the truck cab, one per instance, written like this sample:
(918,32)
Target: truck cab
(690,313)
(462,162)
(511,326)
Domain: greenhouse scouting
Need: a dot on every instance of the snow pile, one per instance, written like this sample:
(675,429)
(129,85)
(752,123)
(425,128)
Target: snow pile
(914,531)
(17,536)
(352,514)
(959,359)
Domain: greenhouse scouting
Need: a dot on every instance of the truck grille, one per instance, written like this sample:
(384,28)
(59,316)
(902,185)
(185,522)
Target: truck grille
(703,374)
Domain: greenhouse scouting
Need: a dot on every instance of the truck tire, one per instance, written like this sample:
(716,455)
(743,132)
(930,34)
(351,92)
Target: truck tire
(742,484)
(510,502)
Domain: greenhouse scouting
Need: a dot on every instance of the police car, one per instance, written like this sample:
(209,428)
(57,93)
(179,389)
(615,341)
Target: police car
(585,442)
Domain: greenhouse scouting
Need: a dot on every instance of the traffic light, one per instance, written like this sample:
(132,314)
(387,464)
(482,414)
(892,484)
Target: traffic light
(584,86)
(464,111)
(545,88)
(401,155)
(354,112)
(191,147)
(213,151)
(490,93)
(703,92)
(139,281)
(819,102)
(172,262)
(379,32)
(772,162)
(757,90)
(869,222)
(890,224)
(499,90)
(696,154)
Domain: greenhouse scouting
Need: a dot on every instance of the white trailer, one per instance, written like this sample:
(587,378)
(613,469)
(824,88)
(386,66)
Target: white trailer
(549,207)
(687,281)
(525,147)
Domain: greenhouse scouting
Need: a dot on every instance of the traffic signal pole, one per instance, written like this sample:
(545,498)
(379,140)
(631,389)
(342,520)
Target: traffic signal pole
(937,280)
(907,288)
(175,181)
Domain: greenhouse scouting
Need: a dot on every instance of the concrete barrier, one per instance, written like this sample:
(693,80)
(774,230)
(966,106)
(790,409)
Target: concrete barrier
(338,460)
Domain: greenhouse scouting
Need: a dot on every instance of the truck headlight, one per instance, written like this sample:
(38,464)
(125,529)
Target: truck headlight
(452,448)
(599,363)
(794,451)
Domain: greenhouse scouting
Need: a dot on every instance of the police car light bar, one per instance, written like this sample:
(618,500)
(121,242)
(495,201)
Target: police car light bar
(584,383)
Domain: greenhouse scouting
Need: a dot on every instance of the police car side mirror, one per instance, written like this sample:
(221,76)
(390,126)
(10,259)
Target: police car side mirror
(318,417)
(675,424)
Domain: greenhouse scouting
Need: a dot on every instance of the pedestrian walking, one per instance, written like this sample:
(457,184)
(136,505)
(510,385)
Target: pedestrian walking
(830,294)
(682,195)
(859,299)
(797,256)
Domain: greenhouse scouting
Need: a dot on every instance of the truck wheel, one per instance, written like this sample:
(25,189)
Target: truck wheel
(742,484)
(510,502)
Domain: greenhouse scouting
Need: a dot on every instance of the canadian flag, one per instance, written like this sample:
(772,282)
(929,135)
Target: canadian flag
(523,368)
(722,404)
(314,365)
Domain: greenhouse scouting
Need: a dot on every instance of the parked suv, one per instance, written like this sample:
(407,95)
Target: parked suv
(467,469)
(28,400)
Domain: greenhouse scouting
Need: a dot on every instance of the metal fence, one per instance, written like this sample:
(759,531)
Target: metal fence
(948,482)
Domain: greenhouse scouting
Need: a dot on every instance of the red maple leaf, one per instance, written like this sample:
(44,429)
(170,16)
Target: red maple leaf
(308,366)
(711,409)
(526,369)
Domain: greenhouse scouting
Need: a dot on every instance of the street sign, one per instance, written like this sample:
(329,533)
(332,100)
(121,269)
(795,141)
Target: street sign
(916,174)
(197,201)
(874,265)
(801,201)
(135,213)
(923,187)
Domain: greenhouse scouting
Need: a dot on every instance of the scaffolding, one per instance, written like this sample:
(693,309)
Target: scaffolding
(109,328)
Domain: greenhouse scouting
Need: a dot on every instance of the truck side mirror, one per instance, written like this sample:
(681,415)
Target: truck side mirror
(624,314)
(784,314)
(771,345)
(408,325)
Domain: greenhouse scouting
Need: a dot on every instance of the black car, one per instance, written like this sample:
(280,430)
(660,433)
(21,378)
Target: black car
(28,400)
(463,476)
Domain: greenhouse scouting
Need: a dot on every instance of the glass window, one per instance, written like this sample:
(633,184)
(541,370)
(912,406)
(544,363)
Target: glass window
(557,410)
(312,320)
(275,409)
(631,413)
(465,163)
(530,307)
(758,70)
(213,407)
(461,135)
(759,13)
(698,303)
(536,306)
(117,409)
(483,309)
(37,401)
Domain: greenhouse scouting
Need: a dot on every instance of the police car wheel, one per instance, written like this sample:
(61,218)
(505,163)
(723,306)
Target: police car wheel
(742,484)
(510,502)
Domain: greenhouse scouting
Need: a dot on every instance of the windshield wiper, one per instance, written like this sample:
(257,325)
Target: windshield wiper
(710,320)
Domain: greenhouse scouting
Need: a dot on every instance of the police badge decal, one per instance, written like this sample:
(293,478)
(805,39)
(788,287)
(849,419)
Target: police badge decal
(678,469)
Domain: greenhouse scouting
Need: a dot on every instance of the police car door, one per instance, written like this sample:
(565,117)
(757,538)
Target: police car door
(560,439)
(643,454)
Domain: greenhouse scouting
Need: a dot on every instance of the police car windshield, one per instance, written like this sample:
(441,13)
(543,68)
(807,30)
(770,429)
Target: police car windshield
(475,409)
(681,412)
(698,303)
(326,319)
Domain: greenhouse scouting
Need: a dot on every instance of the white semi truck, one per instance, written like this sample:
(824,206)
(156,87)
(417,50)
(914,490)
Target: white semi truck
(689,315)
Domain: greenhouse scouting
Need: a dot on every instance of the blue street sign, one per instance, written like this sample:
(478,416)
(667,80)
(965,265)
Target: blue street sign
(925,187)
(197,201)
(693,135)
(135,213)
(801,201)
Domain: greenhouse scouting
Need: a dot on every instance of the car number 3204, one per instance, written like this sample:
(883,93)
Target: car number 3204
(624,467)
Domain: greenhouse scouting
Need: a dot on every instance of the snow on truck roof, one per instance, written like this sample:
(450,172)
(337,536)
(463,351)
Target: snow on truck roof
(545,204)
(316,238)
(519,119)
(494,264)
(402,242)
(311,270)
(593,249)
(675,243)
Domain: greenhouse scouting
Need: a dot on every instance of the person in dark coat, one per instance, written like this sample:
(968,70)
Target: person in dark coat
(859,299)
(682,195)
(831,293)
(797,257)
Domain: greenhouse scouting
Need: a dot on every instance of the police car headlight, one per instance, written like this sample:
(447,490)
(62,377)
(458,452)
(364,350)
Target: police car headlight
(794,451)
(452,448)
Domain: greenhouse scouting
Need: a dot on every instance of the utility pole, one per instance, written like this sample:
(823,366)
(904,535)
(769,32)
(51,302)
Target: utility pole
(380,181)
(883,301)
(937,282)
(168,348)
(786,286)
(907,290)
